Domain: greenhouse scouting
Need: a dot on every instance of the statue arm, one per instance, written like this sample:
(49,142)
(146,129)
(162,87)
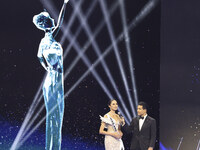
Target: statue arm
(41,57)
(60,19)
(42,61)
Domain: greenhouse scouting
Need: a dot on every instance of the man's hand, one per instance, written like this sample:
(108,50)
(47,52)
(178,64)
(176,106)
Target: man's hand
(150,148)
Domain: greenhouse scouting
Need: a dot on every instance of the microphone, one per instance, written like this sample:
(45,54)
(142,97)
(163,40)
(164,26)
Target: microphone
(120,115)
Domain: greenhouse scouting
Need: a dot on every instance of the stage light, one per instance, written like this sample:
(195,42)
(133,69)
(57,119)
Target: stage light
(88,13)
(179,145)
(86,46)
(98,52)
(116,50)
(128,49)
(143,13)
(27,118)
(198,145)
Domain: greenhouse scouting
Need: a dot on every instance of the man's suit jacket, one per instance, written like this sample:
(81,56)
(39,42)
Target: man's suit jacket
(146,137)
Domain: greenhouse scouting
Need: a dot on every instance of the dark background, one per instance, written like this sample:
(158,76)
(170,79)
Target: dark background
(21,72)
(180,68)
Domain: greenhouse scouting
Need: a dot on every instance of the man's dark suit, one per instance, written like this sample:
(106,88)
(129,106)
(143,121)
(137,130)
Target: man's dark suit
(146,137)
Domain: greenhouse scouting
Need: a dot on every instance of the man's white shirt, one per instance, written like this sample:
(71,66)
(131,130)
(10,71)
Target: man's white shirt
(141,122)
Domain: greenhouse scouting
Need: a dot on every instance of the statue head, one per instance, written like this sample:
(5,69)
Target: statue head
(43,21)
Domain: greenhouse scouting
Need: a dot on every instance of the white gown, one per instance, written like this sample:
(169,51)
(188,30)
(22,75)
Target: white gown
(110,142)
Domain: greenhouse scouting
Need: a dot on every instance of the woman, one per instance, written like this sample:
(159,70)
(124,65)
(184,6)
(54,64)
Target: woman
(112,122)
(51,58)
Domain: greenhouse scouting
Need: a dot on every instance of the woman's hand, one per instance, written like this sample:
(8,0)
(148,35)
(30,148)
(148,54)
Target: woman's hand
(122,121)
(120,133)
(66,1)
(117,135)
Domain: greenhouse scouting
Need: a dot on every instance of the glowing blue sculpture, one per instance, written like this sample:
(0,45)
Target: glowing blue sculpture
(50,54)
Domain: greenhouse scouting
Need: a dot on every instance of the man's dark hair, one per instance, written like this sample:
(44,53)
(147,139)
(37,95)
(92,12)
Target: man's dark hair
(144,105)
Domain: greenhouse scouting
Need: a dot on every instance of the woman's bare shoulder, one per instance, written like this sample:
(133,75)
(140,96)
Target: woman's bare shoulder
(106,115)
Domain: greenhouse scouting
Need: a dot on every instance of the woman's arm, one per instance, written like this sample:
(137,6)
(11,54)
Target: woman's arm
(121,123)
(128,128)
(114,134)
(120,132)
(121,120)
(60,18)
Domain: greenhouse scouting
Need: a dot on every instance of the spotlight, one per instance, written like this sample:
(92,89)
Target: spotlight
(116,50)
(128,49)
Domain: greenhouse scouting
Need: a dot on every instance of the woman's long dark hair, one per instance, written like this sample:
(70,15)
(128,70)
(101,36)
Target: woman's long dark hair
(110,101)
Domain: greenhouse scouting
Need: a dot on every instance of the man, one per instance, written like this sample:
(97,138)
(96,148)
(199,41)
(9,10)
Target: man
(143,129)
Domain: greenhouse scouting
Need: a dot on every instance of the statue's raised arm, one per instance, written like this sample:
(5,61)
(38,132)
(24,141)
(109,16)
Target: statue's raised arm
(60,18)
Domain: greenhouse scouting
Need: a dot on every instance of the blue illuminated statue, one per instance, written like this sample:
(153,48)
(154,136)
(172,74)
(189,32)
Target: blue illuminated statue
(50,54)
